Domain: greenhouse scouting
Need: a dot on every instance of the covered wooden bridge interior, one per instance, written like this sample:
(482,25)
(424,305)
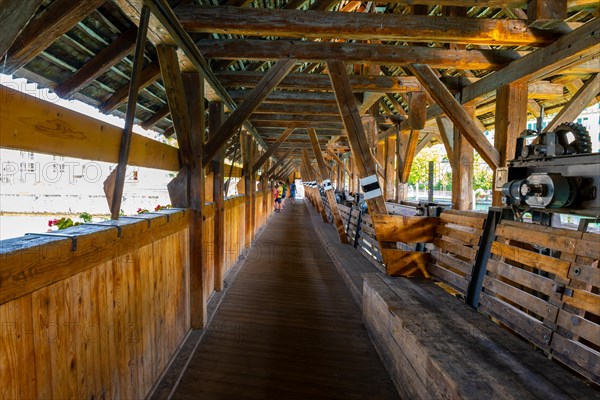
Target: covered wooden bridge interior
(219,297)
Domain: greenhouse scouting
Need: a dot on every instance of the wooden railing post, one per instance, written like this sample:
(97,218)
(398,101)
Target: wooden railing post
(215,115)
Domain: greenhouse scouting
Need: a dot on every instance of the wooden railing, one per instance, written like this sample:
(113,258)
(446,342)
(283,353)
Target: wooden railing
(550,299)
(98,310)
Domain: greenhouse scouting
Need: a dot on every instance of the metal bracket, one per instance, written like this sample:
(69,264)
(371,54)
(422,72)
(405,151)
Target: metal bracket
(59,235)
(110,226)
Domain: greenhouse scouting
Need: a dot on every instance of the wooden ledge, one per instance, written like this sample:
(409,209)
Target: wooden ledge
(32,262)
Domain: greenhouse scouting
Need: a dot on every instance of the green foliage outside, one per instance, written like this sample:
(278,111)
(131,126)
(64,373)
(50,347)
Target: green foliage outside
(482,173)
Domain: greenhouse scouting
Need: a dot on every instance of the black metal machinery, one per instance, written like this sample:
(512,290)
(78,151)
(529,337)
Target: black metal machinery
(555,173)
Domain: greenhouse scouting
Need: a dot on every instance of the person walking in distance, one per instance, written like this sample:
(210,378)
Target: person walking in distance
(283,193)
(277,197)
(293,192)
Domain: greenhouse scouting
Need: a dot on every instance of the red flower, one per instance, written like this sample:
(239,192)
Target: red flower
(158,207)
(139,210)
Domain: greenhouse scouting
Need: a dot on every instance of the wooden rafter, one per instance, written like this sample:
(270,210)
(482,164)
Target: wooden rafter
(42,31)
(149,75)
(14,16)
(373,83)
(98,65)
(361,26)
(357,53)
(266,84)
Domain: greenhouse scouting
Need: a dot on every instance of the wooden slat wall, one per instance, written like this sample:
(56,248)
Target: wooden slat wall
(104,321)
(106,331)
(552,300)
(235,221)
(456,245)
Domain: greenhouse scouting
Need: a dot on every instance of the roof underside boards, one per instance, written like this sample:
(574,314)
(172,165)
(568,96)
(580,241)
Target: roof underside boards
(91,59)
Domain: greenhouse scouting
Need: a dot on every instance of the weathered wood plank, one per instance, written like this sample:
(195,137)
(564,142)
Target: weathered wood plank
(33,125)
(359,83)
(405,263)
(577,104)
(328,25)
(400,228)
(535,260)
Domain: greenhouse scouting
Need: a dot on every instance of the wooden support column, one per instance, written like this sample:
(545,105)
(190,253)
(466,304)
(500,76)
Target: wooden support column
(406,146)
(462,173)
(356,133)
(511,120)
(200,271)
(246,146)
(390,171)
(335,212)
(217,166)
(446,129)
(113,185)
(456,113)
(314,191)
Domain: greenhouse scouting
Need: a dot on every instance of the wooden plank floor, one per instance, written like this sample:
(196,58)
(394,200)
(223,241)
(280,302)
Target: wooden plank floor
(287,328)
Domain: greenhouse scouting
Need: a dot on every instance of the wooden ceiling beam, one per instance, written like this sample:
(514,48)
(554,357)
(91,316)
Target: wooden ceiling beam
(45,29)
(360,26)
(99,64)
(568,51)
(299,124)
(149,75)
(358,53)
(287,96)
(39,126)
(360,83)
(299,109)
(266,84)
(292,118)
(14,16)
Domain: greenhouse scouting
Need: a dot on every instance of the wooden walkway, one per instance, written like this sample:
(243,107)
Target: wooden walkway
(287,328)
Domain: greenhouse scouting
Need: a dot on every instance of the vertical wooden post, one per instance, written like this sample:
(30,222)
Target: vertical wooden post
(246,147)
(462,173)
(314,192)
(253,152)
(511,120)
(335,212)
(215,115)
(390,158)
(406,145)
(200,289)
